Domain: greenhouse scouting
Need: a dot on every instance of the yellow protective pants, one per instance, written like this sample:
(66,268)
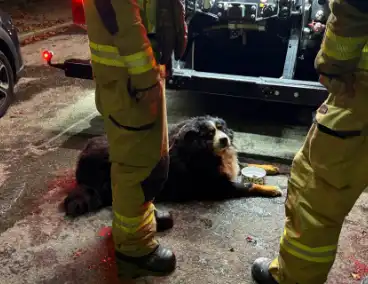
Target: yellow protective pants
(136,129)
(328,175)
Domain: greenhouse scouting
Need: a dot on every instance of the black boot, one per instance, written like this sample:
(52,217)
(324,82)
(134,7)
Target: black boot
(260,271)
(160,262)
(164,220)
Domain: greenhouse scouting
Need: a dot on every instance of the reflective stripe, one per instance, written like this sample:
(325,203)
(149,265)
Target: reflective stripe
(134,224)
(342,48)
(106,55)
(363,63)
(107,61)
(102,47)
(140,62)
(136,63)
(318,254)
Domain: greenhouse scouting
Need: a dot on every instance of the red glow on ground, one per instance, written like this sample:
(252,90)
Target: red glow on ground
(65,180)
(105,232)
(360,269)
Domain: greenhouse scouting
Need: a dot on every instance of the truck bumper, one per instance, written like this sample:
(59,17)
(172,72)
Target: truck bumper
(306,93)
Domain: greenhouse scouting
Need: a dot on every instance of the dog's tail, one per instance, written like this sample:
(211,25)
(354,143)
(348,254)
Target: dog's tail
(82,200)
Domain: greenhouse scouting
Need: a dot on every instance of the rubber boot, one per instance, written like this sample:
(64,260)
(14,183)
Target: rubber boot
(164,220)
(260,271)
(160,262)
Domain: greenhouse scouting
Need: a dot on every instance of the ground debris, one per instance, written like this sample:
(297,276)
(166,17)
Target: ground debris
(356,276)
(78,253)
(251,240)
(4,173)
(40,15)
(105,232)
(43,36)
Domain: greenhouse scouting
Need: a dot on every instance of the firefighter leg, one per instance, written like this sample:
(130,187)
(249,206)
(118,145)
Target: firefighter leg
(137,133)
(328,176)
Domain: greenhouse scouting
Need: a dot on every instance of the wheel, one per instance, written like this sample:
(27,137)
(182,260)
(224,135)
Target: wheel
(6,84)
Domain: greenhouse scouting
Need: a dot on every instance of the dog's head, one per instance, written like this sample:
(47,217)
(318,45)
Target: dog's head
(207,133)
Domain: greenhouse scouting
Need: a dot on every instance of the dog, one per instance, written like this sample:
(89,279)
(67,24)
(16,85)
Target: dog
(203,166)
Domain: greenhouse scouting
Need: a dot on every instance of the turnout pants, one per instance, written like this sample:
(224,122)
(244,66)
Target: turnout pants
(136,129)
(328,175)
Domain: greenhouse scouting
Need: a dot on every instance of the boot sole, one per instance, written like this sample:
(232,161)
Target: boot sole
(133,271)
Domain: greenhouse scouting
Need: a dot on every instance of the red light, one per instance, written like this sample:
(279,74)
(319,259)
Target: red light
(47,55)
(78,12)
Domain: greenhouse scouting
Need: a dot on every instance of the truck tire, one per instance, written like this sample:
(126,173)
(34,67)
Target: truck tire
(6,84)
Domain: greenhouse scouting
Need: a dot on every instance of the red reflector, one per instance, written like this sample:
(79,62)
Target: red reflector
(78,12)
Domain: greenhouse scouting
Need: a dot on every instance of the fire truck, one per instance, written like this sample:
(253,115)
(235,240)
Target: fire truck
(257,49)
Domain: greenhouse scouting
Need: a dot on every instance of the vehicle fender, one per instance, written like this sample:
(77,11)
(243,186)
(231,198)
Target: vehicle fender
(4,36)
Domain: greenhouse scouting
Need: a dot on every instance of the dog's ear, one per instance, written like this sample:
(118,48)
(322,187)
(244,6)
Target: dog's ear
(190,135)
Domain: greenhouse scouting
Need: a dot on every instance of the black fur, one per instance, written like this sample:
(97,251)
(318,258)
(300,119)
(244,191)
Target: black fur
(195,171)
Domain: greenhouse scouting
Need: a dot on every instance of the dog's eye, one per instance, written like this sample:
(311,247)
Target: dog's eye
(212,131)
(219,126)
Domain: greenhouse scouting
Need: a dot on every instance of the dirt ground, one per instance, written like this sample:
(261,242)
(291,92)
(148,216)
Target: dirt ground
(38,14)
(39,95)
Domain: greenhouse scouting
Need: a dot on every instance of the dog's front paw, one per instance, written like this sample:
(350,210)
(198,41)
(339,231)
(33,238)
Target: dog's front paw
(270,169)
(266,190)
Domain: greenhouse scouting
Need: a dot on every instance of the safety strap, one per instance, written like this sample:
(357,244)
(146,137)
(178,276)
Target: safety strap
(323,254)
(339,134)
(342,134)
(131,128)
(107,15)
(132,225)
(136,63)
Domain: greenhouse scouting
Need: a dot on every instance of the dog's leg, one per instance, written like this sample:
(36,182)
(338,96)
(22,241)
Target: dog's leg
(270,169)
(84,199)
(263,190)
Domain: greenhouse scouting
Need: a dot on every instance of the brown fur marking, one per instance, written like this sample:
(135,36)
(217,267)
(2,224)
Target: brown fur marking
(270,170)
(230,164)
(266,190)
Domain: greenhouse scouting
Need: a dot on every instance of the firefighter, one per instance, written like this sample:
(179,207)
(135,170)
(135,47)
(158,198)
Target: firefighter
(129,50)
(329,172)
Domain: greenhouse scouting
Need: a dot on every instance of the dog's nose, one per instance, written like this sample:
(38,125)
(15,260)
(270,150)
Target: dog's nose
(224,141)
